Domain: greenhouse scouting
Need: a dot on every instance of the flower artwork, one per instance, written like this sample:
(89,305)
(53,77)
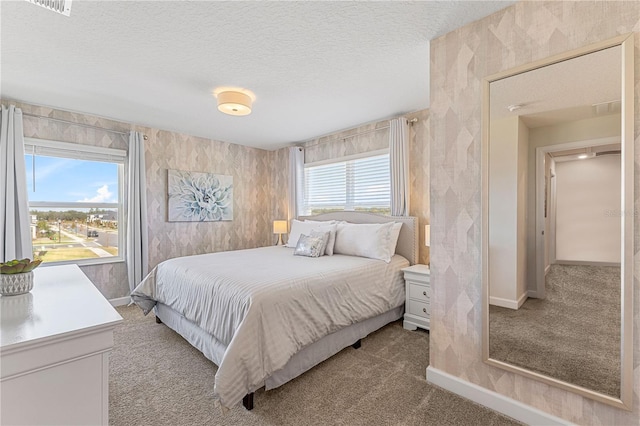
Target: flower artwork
(199,197)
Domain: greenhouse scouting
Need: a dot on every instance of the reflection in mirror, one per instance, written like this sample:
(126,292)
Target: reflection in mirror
(555,221)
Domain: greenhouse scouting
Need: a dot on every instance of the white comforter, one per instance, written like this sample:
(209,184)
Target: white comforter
(266,304)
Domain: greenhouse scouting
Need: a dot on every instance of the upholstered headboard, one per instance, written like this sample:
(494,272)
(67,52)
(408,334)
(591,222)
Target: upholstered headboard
(407,241)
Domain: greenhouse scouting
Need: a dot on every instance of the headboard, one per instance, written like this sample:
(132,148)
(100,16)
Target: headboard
(407,242)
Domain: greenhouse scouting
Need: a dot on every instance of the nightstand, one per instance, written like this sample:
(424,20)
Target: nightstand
(418,295)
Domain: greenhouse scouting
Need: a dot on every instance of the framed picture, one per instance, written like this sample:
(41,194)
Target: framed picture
(199,197)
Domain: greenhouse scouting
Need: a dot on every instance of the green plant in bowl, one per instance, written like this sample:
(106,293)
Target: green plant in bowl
(19,266)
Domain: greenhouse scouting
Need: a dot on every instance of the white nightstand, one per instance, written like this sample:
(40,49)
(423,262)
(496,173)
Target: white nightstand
(418,295)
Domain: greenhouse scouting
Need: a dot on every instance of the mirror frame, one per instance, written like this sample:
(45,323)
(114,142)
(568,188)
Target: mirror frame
(627,130)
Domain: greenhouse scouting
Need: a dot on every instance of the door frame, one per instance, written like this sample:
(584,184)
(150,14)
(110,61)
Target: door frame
(540,291)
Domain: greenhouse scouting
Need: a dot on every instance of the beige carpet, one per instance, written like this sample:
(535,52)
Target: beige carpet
(572,335)
(157,378)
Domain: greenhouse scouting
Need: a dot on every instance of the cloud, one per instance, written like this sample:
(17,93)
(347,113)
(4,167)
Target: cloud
(103,195)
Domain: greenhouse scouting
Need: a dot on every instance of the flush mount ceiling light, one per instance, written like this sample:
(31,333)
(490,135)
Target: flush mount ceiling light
(234,101)
(514,107)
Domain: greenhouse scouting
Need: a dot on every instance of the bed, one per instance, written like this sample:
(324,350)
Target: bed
(264,316)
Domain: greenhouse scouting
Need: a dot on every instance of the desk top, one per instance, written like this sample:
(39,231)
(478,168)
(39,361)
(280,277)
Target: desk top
(63,301)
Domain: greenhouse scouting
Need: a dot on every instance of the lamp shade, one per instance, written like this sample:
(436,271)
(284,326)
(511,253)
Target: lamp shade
(279,226)
(234,103)
(427,235)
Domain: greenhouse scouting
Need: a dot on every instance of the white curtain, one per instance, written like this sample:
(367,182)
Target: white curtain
(296,174)
(14,208)
(399,166)
(137,241)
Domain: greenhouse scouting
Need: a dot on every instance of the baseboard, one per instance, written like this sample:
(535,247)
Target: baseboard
(120,301)
(585,263)
(508,303)
(500,403)
(533,294)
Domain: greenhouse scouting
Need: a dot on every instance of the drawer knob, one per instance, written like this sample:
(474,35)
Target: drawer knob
(424,293)
(424,310)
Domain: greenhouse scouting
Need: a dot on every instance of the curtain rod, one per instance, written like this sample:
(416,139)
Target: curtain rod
(364,132)
(78,124)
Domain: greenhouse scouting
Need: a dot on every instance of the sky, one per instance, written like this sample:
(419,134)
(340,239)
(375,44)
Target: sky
(63,179)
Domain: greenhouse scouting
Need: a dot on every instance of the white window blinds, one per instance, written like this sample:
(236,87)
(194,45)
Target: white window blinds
(360,183)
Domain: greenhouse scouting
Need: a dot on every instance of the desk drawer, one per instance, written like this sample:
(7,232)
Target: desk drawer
(417,308)
(419,292)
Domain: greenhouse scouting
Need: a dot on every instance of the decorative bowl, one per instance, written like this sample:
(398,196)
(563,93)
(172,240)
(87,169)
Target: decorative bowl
(14,284)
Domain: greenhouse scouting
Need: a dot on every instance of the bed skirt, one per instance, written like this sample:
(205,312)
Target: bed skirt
(307,358)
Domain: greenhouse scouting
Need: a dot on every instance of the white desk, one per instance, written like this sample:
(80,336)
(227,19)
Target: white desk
(54,351)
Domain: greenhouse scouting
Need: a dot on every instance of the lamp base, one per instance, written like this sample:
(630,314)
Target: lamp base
(280,242)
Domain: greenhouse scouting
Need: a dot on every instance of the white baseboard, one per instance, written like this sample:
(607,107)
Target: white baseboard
(500,403)
(120,301)
(508,303)
(586,263)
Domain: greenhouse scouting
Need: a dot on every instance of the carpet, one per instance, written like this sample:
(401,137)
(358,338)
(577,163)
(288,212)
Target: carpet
(157,378)
(572,335)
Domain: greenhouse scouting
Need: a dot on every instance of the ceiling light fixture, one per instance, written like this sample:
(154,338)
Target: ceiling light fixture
(582,156)
(514,107)
(234,101)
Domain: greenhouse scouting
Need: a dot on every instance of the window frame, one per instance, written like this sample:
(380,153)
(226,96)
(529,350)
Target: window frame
(76,151)
(304,208)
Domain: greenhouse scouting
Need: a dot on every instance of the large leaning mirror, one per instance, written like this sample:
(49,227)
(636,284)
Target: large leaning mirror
(558,221)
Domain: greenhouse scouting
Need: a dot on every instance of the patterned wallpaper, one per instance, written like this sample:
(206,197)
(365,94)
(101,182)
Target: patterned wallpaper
(519,34)
(250,169)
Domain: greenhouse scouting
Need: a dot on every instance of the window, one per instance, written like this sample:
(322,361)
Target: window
(350,183)
(76,201)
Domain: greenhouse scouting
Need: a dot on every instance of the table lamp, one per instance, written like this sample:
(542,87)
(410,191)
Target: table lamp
(280,227)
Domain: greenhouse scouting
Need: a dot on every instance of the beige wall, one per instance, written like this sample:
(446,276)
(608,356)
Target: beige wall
(588,223)
(253,174)
(507,202)
(524,32)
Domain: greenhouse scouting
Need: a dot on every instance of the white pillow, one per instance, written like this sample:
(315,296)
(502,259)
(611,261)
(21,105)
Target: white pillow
(327,222)
(370,240)
(298,228)
(393,239)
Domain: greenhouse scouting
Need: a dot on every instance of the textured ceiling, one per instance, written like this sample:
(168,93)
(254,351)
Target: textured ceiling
(315,67)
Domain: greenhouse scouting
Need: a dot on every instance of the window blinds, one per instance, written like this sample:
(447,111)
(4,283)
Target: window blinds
(353,184)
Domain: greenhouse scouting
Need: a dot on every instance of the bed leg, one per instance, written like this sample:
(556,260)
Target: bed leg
(247,401)
(158,320)
(357,344)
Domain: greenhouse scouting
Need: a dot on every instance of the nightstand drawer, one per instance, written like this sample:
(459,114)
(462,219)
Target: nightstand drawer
(419,292)
(420,309)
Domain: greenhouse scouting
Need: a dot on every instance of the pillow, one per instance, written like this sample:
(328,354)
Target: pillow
(327,222)
(370,240)
(298,228)
(309,246)
(325,239)
(393,238)
(332,236)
